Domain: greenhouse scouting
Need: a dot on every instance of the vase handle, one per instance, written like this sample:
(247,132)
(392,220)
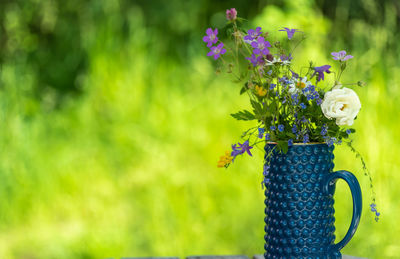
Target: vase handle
(329,183)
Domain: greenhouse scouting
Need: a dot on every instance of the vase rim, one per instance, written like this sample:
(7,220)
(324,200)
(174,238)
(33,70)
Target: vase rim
(300,144)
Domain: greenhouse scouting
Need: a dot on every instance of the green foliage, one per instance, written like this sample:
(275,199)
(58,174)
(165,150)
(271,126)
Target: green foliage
(244,115)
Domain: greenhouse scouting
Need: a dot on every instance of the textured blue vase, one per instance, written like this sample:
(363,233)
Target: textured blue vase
(299,203)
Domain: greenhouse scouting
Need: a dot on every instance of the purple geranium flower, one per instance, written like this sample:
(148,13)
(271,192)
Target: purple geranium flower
(320,71)
(261,46)
(286,58)
(290,32)
(341,55)
(217,51)
(252,34)
(231,14)
(245,147)
(255,60)
(211,37)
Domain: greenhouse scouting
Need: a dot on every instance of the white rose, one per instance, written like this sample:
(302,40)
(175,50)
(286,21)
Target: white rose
(341,104)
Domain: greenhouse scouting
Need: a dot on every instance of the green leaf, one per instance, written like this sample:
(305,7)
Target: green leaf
(265,110)
(244,89)
(243,115)
(283,146)
(257,107)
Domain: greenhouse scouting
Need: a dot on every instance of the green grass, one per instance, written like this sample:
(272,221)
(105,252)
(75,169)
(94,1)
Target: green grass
(129,168)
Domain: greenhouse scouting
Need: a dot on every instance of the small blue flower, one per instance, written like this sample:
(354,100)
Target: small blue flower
(294,129)
(303,106)
(319,101)
(281,127)
(306,138)
(272,86)
(266,169)
(305,120)
(264,182)
(373,209)
(261,132)
(324,130)
(267,136)
(290,142)
(295,99)
(272,127)
(348,132)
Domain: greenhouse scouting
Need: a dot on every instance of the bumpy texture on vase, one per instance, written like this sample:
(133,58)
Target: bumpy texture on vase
(299,203)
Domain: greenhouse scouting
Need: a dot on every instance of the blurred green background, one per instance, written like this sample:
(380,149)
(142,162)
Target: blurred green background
(112,120)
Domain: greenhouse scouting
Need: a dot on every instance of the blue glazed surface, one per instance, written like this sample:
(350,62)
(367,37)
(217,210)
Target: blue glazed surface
(299,203)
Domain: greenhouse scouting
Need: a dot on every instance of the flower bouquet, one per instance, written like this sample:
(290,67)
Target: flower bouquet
(299,116)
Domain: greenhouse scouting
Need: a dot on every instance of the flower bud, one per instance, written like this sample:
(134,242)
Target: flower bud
(361,83)
(231,14)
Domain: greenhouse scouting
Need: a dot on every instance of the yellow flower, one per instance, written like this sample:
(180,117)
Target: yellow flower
(225,160)
(260,91)
(301,85)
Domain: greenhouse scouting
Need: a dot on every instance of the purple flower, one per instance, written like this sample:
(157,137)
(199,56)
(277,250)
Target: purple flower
(255,60)
(290,32)
(341,55)
(320,71)
(245,147)
(294,129)
(261,46)
(281,127)
(348,131)
(267,136)
(290,142)
(286,58)
(217,51)
(272,86)
(272,127)
(231,14)
(241,149)
(211,37)
(252,34)
(294,74)
(303,106)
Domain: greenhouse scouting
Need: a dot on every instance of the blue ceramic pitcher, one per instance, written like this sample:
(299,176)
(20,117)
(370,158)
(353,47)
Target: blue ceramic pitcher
(299,203)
